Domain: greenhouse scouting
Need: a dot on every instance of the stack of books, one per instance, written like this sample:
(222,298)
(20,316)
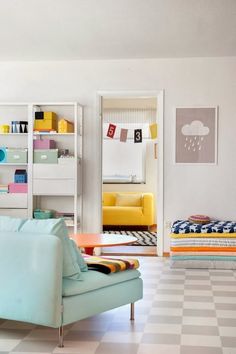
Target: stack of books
(3,188)
(68,217)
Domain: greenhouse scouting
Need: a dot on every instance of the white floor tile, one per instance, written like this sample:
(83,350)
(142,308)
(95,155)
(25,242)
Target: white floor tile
(8,344)
(162,328)
(122,337)
(77,348)
(158,349)
(227,331)
(196,340)
(198,305)
(200,321)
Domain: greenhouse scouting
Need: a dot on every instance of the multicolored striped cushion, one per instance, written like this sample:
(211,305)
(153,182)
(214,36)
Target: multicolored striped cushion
(110,265)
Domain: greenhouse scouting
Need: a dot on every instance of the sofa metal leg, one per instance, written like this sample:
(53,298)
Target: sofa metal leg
(132,311)
(61,337)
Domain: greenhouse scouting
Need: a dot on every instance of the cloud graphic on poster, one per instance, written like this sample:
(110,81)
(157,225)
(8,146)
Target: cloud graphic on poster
(196,128)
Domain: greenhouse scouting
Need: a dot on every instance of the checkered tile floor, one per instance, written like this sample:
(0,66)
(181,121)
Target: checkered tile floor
(183,312)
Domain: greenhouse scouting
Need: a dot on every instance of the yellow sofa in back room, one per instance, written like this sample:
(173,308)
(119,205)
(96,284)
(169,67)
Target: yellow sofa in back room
(128,208)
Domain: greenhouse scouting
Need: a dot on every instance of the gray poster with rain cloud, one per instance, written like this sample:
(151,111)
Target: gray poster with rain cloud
(195,135)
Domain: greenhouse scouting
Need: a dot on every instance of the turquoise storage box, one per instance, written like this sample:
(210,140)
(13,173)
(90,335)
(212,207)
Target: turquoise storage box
(43,214)
(17,155)
(46,156)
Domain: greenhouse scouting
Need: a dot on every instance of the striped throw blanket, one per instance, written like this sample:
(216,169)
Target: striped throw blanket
(110,265)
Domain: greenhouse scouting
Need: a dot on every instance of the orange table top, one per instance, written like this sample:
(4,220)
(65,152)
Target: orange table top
(102,240)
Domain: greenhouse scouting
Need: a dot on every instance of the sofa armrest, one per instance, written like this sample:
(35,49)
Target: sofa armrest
(148,209)
(31,278)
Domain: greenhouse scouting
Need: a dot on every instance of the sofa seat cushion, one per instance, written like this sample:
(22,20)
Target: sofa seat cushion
(92,280)
(119,215)
(120,211)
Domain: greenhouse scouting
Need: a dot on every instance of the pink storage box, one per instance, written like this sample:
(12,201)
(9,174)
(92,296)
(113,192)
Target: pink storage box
(18,188)
(44,144)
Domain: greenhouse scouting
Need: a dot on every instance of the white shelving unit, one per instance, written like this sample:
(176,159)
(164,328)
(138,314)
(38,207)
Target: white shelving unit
(50,186)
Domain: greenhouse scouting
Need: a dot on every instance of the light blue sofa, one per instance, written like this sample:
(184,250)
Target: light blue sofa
(35,288)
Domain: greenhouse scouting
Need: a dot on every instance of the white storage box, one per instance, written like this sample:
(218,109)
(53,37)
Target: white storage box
(17,213)
(53,186)
(53,171)
(13,200)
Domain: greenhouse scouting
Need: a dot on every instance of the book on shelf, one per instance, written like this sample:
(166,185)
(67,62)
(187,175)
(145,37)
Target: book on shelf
(3,188)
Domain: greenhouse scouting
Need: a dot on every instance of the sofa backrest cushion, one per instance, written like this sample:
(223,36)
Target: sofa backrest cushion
(10,224)
(80,260)
(133,200)
(109,199)
(58,228)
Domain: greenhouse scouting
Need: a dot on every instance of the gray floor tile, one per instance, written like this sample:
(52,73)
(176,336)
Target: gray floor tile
(228,342)
(161,338)
(199,313)
(165,319)
(200,350)
(221,273)
(117,348)
(197,287)
(224,293)
(197,277)
(198,298)
(13,333)
(173,272)
(231,307)
(167,304)
(223,283)
(171,291)
(227,322)
(204,330)
(171,281)
(84,336)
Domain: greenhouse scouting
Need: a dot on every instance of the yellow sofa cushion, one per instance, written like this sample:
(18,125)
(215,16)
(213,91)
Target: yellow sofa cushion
(128,200)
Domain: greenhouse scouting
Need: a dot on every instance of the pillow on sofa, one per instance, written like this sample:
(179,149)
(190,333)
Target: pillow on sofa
(133,200)
(80,260)
(10,224)
(58,228)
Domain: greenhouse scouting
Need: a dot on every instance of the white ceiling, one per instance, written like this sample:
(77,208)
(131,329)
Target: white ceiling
(115,29)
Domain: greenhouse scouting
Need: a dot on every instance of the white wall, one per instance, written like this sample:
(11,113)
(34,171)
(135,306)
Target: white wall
(196,81)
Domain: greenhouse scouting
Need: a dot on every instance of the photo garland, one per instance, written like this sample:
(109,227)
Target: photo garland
(138,133)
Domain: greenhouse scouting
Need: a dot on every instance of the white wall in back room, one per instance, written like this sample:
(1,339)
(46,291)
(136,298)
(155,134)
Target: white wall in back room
(208,189)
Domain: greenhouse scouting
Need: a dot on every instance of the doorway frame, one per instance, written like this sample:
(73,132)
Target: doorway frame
(159,94)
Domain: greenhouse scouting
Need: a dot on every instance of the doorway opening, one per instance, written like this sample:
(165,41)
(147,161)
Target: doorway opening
(132,170)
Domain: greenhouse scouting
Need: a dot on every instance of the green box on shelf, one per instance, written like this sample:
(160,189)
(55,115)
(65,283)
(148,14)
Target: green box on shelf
(17,155)
(46,156)
(43,214)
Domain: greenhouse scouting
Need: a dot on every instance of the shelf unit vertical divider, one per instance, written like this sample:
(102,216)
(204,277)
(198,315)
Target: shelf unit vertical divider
(80,164)
(30,160)
(76,167)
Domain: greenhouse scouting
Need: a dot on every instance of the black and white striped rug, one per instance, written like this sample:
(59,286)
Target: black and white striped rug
(144,238)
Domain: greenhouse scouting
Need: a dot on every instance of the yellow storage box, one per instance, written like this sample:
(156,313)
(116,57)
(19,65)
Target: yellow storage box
(45,121)
(65,126)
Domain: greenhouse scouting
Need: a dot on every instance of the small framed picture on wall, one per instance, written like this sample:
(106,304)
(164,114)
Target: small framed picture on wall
(196,135)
